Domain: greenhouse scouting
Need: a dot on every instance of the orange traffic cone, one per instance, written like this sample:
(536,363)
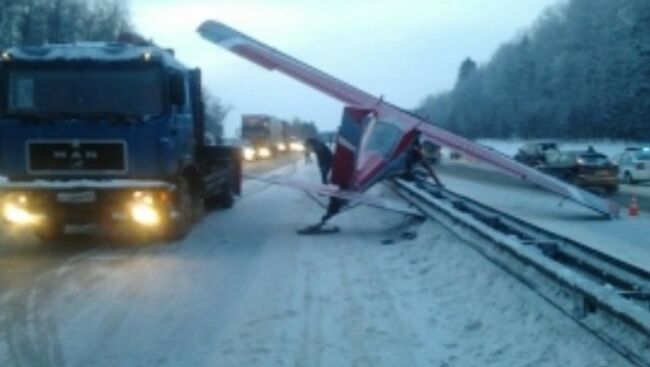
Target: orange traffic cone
(633,211)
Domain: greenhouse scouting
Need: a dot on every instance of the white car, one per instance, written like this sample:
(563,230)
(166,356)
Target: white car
(634,165)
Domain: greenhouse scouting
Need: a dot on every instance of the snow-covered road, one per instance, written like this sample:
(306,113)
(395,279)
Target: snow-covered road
(243,289)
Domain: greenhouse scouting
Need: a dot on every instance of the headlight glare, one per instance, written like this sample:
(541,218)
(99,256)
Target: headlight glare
(19,215)
(296,147)
(145,214)
(144,209)
(264,152)
(249,154)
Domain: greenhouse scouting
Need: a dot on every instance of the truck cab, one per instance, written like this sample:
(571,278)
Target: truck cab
(106,135)
(266,136)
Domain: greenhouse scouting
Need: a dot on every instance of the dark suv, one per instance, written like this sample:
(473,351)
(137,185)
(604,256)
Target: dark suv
(534,154)
(583,168)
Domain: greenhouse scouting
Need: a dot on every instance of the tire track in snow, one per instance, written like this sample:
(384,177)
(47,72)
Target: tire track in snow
(260,187)
(311,335)
(379,294)
(27,330)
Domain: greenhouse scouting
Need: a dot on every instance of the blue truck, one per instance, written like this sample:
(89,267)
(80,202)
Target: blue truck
(108,138)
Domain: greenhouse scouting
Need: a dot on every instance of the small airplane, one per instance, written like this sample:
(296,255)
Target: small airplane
(375,136)
(367,151)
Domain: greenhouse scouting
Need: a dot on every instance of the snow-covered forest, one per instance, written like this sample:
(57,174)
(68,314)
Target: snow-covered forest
(581,71)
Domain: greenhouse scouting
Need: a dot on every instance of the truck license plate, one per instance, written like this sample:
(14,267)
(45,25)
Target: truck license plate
(76,197)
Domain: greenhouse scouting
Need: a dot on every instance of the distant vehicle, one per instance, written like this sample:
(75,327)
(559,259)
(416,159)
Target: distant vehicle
(296,145)
(634,165)
(267,135)
(534,154)
(583,168)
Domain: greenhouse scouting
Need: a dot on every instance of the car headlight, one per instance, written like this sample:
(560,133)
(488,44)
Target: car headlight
(264,152)
(297,147)
(249,154)
(282,147)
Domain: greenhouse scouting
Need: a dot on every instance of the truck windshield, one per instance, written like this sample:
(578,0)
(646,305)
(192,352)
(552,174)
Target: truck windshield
(86,93)
(255,132)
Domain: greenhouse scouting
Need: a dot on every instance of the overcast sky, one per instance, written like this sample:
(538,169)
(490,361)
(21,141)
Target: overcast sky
(403,52)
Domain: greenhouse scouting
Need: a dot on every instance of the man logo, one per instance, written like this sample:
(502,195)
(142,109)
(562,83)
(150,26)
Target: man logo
(77,156)
(60,154)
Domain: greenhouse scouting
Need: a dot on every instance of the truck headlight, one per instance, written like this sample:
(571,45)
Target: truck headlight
(249,154)
(296,147)
(282,147)
(14,210)
(264,152)
(143,208)
(145,214)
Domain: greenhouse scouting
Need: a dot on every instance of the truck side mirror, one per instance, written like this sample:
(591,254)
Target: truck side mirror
(177,90)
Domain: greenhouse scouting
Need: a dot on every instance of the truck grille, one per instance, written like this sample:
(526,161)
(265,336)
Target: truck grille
(76,157)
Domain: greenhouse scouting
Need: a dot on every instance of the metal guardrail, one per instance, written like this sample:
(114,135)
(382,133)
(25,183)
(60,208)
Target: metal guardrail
(609,297)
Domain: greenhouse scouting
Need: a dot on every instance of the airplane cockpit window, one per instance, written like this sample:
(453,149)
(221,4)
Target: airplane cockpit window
(383,137)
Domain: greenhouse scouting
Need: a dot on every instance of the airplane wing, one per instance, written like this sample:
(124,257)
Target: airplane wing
(353,197)
(273,59)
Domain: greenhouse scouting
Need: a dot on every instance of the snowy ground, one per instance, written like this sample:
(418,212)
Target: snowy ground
(243,289)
